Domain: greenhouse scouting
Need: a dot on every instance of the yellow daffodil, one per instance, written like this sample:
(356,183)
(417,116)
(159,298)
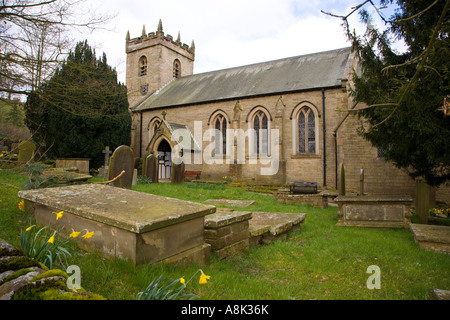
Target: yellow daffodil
(183,282)
(203,278)
(59,215)
(88,234)
(29,228)
(21,205)
(74,234)
(52,238)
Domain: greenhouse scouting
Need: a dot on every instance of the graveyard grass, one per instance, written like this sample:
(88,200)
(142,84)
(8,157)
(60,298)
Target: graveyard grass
(321,261)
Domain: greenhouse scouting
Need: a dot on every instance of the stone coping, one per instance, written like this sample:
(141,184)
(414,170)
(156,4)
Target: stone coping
(228,202)
(224,218)
(274,222)
(123,208)
(431,233)
(374,198)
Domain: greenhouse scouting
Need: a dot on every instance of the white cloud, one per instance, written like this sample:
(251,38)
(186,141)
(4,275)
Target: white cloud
(226,33)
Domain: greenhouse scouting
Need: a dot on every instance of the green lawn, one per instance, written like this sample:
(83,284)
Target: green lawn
(321,261)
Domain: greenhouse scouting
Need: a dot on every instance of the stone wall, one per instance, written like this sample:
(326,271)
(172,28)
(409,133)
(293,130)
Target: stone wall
(22,278)
(292,166)
(227,232)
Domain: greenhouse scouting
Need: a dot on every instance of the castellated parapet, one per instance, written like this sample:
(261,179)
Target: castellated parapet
(159,38)
(153,60)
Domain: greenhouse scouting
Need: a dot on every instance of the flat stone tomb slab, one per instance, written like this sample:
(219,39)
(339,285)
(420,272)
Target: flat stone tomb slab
(433,237)
(234,203)
(376,211)
(141,227)
(266,227)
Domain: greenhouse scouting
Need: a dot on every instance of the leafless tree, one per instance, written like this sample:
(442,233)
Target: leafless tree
(35,37)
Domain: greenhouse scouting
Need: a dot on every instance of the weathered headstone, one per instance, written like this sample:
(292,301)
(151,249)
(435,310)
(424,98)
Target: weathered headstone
(107,153)
(422,201)
(177,171)
(341,180)
(122,160)
(151,164)
(26,151)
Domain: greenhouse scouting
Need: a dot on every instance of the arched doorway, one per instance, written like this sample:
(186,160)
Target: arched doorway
(165,159)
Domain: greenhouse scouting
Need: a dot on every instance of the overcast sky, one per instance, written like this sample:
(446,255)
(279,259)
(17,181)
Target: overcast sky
(227,33)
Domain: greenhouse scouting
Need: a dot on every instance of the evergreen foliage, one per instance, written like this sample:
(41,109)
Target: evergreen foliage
(405,92)
(81,109)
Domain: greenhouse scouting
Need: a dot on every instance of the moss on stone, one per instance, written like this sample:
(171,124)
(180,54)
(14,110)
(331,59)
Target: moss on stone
(51,273)
(17,274)
(34,290)
(54,294)
(17,263)
(10,252)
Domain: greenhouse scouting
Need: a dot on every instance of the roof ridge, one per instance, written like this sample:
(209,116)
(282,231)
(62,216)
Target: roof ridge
(267,62)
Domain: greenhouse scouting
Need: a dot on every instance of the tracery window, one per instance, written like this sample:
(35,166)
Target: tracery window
(220,126)
(306,131)
(260,125)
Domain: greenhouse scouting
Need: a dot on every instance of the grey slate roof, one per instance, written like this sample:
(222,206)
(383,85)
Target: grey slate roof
(312,71)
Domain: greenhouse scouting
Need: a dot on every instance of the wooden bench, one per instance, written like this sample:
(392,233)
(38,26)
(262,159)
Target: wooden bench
(192,174)
(303,187)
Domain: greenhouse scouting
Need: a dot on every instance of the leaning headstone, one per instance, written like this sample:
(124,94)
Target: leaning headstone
(177,171)
(341,180)
(422,201)
(151,164)
(26,151)
(122,160)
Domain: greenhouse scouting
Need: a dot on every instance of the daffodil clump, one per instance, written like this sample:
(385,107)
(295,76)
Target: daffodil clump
(157,290)
(46,246)
(440,212)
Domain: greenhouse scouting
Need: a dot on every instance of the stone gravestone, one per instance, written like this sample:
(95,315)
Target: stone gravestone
(422,200)
(151,164)
(107,153)
(26,151)
(341,180)
(177,171)
(122,159)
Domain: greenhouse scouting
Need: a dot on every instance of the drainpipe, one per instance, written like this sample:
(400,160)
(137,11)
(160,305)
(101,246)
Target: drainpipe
(336,158)
(324,141)
(140,136)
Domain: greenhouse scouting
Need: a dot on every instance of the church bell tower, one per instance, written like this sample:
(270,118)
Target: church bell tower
(153,61)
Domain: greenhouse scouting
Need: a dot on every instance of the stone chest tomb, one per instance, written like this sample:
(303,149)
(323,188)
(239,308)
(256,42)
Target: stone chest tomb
(141,227)
(376,211)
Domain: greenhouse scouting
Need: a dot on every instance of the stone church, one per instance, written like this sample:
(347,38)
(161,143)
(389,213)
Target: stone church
(272,122)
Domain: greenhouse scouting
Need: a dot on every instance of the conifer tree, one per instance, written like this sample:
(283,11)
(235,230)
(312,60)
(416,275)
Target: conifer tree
(406,92)
(81,109)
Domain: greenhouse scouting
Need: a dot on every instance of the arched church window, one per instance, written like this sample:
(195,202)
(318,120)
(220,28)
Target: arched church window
(220,135)
(260,133)
(142,66)
(176,68)
(306,131)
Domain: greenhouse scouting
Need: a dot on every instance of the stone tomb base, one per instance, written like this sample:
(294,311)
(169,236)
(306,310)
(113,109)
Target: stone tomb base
(266,227)
(432,237)
(140,227)
(374,211)
(227,232)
